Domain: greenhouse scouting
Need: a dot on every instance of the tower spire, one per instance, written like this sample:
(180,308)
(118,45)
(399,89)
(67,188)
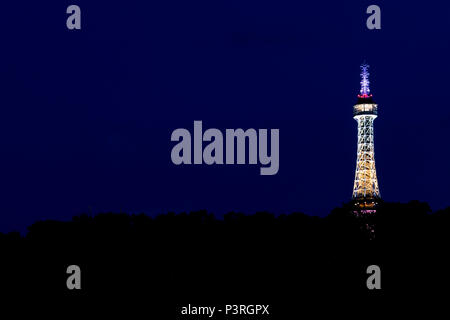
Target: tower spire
(364,92)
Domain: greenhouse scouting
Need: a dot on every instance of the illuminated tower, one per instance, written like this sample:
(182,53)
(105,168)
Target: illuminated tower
(365,189)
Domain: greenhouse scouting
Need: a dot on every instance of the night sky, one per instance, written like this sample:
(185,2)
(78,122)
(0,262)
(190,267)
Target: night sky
(87,115)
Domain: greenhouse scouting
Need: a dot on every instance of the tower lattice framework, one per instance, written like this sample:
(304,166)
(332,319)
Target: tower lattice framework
(366,192)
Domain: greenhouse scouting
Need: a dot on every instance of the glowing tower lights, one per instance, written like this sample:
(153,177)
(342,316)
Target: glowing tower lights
(365,188)
(365,83)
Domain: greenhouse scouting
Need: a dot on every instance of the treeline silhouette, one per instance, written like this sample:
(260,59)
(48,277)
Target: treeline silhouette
(194,257)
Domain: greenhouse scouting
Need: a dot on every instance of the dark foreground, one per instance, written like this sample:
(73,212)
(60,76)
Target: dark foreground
(150,268)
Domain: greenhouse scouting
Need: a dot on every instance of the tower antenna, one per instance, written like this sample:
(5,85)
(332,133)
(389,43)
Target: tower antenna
(365,83)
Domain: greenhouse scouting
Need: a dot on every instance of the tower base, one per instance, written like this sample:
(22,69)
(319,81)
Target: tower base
(364,210)
(366,206)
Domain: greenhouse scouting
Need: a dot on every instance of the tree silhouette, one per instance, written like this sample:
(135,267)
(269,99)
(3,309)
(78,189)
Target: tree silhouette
(173,259)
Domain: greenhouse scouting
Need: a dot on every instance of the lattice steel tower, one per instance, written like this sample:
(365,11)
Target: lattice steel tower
(365,189)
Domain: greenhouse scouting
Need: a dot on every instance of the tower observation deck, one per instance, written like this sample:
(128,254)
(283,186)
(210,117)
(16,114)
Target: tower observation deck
(366,193)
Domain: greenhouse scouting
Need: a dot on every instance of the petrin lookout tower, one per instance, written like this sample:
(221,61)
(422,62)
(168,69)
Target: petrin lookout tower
(366,193)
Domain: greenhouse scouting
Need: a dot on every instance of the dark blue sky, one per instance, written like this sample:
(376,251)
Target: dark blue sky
(87,115)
